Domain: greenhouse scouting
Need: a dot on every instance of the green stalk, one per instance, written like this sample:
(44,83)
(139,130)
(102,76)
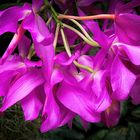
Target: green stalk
(66,45)
(56,35)
(91,43)
(49,20)
(67,48)
(82,29)
(52,11)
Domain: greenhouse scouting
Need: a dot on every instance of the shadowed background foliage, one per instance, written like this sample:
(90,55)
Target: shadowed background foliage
(13,127)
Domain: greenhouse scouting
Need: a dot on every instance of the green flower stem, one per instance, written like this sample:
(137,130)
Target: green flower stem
(82,29)
(91,43)
(67,48)
(56,35)
(31,52)
(52,11)
(66,45)
(49,20)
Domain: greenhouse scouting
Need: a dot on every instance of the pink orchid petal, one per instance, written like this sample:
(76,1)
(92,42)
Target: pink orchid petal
(86,2)
(12,66)
(56,77)
(112,115)
(71,36)
(37,27)
(33,103)
(30,63)
(101,98)
(55,114)
(46,53)
(125,8)
(85,81)
(122,80)
(22,87)
(24,46)
(75,99)
(50,113)
(86,49)
(86,60)
(5,80)
(135,92)
(36,4)
(128,33)
(93,26)
(84,124)
(63,59)
(133,52)
(15,14)
(13,44)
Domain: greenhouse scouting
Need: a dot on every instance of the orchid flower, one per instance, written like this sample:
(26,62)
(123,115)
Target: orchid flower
(67,80)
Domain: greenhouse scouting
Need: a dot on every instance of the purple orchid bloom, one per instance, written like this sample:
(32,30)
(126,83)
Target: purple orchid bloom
(118,90)
(30,21)
(111,116)
(20,85)
(134,93)
(127,33)
(61,85)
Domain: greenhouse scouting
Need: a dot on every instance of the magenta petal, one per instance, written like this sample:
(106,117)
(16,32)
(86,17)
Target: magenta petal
(46,53)
(12,66)
(112,115)
(86,2)
(33,103)
(5,80)
(122,80)
(30,63)
(54,114)
(17,37)
(86,60)
(86,49)
(71,36)
(135,92)
(100,58)
(128,33)
(101,99)
(93,26)
(22,87)
(24,46)
(84,124)
(126,8)
(37,27)
(63,59)
(51,115)
(15,14)
(133,52)
(66,116)
(56,77)
(75,99)
(36,4)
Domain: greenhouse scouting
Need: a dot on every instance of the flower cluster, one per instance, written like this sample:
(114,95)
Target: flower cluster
(66,68)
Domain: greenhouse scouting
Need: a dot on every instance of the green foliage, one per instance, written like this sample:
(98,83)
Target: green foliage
(13,127)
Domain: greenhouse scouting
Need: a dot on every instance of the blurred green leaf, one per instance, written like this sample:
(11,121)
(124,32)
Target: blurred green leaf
(132,135)
(7,5)
(136,112)
(99,135)
(118,133)
(124,108)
